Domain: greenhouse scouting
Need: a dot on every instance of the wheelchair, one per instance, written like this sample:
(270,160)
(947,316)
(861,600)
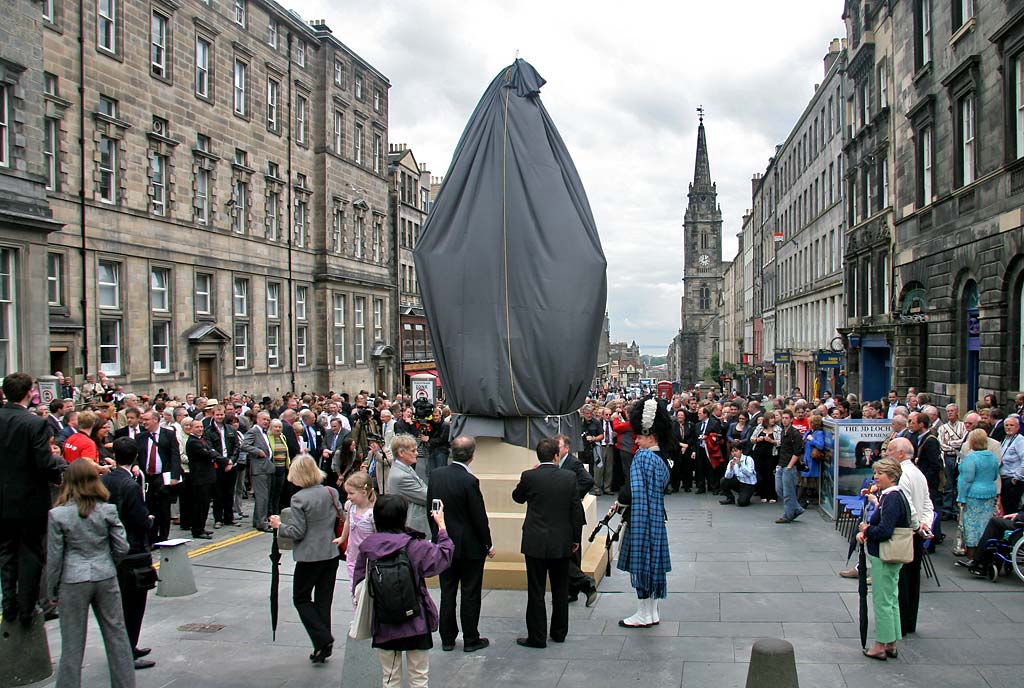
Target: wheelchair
(1009,552)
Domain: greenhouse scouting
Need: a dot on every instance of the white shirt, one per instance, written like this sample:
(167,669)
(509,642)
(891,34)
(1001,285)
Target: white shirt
(459,463)
(915,487)
(744,472)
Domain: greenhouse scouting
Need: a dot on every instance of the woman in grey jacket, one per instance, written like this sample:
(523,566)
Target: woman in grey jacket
(314,512)
(80,572)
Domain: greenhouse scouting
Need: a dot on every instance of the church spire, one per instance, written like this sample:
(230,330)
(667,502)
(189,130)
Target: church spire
(702,168)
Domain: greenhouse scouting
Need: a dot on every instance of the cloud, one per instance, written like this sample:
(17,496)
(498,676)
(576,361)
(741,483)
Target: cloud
(623,85)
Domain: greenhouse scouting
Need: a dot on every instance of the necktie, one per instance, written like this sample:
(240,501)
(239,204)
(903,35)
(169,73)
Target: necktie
(310,438)
(151,466)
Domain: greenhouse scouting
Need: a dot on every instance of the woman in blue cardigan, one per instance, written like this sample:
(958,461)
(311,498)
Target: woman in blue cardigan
(893,511)
(976,489)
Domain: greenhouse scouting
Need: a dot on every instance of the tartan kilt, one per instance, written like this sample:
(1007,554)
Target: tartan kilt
(644,551)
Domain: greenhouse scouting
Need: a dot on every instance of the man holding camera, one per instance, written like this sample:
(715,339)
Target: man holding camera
(458,490)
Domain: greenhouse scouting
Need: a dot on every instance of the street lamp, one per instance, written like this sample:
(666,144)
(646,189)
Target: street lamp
(854,339)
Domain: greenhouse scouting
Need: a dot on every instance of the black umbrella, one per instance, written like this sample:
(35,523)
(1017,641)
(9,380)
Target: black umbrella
(862,587)
(275,578)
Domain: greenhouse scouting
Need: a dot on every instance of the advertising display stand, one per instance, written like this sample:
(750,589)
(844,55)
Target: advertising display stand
(851,447)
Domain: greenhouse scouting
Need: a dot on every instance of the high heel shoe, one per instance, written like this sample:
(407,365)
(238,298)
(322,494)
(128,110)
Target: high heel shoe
(321,654)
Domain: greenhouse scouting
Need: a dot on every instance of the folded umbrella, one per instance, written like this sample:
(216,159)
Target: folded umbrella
(275,579)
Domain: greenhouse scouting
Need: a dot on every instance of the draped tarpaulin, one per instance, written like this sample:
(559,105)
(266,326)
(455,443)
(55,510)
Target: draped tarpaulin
(511,271)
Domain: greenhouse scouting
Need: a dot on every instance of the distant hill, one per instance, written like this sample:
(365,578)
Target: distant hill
(654,360)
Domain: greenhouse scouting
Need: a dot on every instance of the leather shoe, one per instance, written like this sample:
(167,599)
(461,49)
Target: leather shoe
(558,640)
(849,573)
(447,647)
(478,645)
(783,520)
(526,642)
(592,597)
(141,651)
(204,536)
(144,663)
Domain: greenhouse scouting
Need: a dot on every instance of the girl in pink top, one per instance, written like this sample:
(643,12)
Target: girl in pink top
(358,515)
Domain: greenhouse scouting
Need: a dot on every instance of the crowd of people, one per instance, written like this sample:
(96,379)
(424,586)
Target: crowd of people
(386,473)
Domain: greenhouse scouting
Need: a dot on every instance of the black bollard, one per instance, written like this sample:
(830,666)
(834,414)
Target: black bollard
(772,665)
(24,653)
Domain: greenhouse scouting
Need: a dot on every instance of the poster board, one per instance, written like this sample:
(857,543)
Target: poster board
(851,447)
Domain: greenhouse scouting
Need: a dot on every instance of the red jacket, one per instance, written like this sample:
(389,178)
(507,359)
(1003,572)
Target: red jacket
(622,427)
(79,445)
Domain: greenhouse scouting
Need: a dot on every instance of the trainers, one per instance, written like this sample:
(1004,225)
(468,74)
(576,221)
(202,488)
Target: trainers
(849,573)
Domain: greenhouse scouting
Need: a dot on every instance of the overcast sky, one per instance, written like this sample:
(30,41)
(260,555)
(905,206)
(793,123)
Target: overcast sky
(623,84)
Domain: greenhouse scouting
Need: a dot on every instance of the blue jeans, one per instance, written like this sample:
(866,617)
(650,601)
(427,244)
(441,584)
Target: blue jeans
(785,486)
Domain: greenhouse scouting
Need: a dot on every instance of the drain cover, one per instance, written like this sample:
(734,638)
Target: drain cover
(201,628)
(699,517)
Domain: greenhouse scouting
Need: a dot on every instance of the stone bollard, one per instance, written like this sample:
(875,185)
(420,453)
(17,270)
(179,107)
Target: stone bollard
(176,579)
(772,665)
(24,653)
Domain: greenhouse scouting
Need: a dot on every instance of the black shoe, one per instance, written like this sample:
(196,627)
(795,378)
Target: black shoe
(701,490)
(727,500)
(447,647)
(474,646)
(686,489)
(592,597)
(141,652)
(321,654)
(966,563)
(203,536)
(526,642)
(558,640)
(144,663)
(574,598)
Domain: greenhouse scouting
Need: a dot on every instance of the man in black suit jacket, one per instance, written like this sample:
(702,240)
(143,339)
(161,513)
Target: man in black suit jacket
(578,581)
(550,532)
(131,429)
(202,476)
(27,467)
(223,439)
(126,494)
(158,455)
(466,517)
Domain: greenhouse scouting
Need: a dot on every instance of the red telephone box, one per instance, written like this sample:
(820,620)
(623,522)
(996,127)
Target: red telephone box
(665,390)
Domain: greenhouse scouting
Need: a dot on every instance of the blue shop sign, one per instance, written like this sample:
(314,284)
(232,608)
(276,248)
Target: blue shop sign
(829,359)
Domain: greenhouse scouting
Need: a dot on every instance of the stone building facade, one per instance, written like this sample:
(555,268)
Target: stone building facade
(809,305)
(958,205)
(410,202)
(697,340)
(226,213)
(25,172)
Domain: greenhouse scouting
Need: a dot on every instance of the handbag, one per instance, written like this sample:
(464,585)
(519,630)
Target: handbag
(361,627)
(817,454)
(138,571)
(898,549)
(339,525)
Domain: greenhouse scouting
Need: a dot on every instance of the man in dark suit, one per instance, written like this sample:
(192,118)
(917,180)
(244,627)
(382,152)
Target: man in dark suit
(313,436)
(223,439)
(160,463)
(550,532)
(578,581)
(131,429)
(708,429)
(466,518)
(27,467)
(126,494)
(56,417)
(201,478)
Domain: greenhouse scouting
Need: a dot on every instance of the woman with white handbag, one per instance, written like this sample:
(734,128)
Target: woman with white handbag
(890,544)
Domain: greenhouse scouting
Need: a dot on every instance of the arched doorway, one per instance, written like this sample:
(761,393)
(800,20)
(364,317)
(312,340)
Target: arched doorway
(972,331)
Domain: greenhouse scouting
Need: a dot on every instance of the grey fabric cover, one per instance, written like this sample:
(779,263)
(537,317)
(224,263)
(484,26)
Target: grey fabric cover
(512,272)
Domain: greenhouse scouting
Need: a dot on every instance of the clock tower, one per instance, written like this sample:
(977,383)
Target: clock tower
(702,269)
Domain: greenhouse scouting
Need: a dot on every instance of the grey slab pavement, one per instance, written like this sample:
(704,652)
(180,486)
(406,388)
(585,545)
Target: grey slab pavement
(737,577)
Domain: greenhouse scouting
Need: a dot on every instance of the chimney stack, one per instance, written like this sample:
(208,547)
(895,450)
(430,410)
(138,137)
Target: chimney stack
(835,47)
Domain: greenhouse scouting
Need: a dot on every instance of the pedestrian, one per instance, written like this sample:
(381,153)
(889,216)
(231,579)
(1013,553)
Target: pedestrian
(281,451)
(315,511)
(84,537)
(740,478)
(893,511)
(763,448)
(470,532)
(358,516)
(256,445)
(123,484)
(411,638)
(550,534)
(604,454)
(160,462)
(201,479)
(644,551)
(27,468)
(791,448)
(914,485)
(579,582)
(223,438)
(405,481)
(976,489)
